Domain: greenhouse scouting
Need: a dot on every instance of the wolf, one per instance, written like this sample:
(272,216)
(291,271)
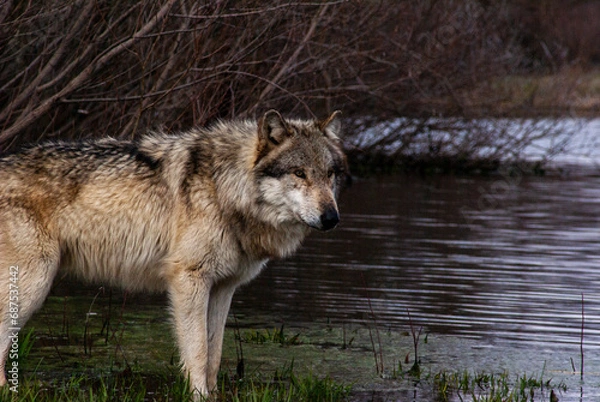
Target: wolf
(194,214)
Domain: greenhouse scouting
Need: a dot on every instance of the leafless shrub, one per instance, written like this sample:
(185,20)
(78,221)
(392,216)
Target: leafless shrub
(459,144)
(90,68)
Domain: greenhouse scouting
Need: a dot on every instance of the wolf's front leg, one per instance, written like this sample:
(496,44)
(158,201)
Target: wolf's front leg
(218,308)
(189,296)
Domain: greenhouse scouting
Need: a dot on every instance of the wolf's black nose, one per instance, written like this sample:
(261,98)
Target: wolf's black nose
(330,219)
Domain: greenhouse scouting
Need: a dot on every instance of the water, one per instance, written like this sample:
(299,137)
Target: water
(504,259)
(501,263)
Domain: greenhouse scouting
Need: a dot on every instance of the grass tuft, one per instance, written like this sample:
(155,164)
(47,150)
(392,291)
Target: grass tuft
(277,335)
(486,387)
(130,386)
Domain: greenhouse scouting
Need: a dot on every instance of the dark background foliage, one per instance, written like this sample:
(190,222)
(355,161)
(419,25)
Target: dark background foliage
(120,67)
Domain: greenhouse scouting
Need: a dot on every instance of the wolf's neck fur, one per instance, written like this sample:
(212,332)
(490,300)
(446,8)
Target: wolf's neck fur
(261,240)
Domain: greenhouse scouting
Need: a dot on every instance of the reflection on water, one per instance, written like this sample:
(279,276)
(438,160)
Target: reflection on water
(503,259)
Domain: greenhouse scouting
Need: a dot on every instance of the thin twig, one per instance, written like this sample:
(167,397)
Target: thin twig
(378,354)
(261,10)
(87,324)
(581,340)
(416,335)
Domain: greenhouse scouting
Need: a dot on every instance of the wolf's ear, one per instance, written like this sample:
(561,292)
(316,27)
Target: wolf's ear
(332,126)
(272,129)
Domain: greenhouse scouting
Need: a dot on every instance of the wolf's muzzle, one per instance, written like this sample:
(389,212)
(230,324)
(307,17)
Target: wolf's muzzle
(329,219)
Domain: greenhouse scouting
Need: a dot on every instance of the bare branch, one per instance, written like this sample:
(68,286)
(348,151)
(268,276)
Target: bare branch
(51,64)
(288,64)
(260,10)
(26,119)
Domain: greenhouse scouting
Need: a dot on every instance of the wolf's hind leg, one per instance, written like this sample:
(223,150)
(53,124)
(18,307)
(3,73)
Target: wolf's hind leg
(28,263)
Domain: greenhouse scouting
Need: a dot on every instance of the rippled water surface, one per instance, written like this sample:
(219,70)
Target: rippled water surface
(501,258)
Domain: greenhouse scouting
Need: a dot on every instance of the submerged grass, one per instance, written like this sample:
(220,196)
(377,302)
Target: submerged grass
(276,335)
(485,387)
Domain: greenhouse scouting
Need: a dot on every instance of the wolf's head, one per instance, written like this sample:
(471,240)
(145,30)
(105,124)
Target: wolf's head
(300,169)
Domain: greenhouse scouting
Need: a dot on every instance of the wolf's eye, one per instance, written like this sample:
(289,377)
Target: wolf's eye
(330,173)
(300,173)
